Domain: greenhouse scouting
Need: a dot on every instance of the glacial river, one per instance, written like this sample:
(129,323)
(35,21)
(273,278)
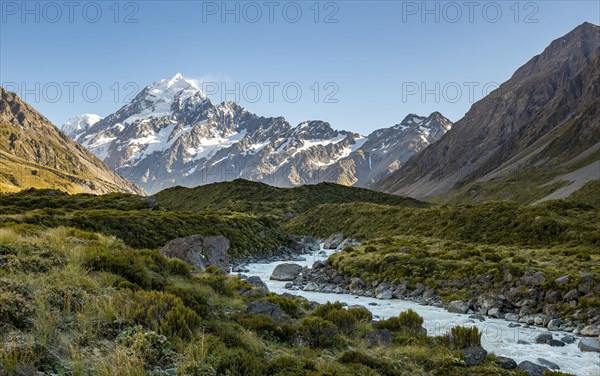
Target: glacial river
(497,337)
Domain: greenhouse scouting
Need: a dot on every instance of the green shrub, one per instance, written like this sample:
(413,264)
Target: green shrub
(193,297)
(26,359)
(220,282)
(287,365)
(30,258)
(408,322)
(129,264)
(361,314)
(324,309)
(266,327)
(461,337)
(290,306)
(319,333)
(178,267)
(230,333)
(380,365)
(238,361)
(370,249)
(343,319)
(164,313)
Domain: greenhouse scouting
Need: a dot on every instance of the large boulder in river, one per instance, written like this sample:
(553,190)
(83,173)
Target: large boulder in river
(200,251)
(458,306)
(286,272)
(333,242)
(589,344)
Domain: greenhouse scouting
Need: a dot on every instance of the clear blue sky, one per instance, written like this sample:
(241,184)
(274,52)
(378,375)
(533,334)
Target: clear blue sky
(379,55)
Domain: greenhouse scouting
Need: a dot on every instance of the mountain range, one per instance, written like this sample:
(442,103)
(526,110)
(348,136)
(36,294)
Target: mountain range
(536,137)
(171,134)
(35,154)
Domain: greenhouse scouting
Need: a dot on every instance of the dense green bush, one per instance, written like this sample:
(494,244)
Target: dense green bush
(287,365)
(152,229)
(460,337)
(194,297)
(361,314)
(291,306)
(229,332)
(129,264)
(407,323)
(237,361)
(178,267)
(323,309)
(383,367)
(343,319)
(501,223)
(248,196)
(319,333)
(268,328)
(30,258)
(164,313)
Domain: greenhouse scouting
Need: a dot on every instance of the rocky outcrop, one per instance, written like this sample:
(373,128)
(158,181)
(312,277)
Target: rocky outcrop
(474,355)
(333,242)
(286,272)
(506,363)
(589,344)
(379,338)
(257,283)
(458,306)
(532,369)
(265,308)
(590,331)
(548,364)
(200,251)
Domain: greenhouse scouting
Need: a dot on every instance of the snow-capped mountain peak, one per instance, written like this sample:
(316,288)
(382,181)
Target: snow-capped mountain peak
(79,124)
(173,86)
(171,134)
(412,119)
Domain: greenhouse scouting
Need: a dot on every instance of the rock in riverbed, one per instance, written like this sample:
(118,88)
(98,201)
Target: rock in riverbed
(334,241)
(532,369)
(589,344)
(286,272)
(458,306)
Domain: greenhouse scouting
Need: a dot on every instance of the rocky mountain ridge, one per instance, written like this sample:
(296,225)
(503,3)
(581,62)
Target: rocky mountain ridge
(35,154)
(534,138)
(172,134)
